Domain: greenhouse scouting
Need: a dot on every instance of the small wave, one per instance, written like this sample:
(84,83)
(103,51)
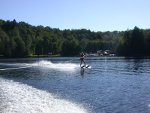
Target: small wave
(14,68)
(16,97)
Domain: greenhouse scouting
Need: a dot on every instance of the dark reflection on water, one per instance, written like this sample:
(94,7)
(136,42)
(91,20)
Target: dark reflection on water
(82,72)
(112,85)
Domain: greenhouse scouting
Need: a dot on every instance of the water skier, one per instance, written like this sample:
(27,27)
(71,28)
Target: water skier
(82,55)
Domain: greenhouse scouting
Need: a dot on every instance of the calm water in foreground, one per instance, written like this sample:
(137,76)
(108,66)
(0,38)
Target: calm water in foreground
(58,85)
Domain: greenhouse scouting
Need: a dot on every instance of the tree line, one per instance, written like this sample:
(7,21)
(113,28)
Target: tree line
(20,39)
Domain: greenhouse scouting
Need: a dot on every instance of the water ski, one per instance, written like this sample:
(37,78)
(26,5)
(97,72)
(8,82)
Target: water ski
(85,66)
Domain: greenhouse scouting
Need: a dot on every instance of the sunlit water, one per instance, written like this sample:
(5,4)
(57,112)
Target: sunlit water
(59,85)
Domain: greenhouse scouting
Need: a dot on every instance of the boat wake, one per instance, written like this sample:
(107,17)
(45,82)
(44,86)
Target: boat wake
(16,97)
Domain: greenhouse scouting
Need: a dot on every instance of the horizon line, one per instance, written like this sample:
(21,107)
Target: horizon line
(62,29)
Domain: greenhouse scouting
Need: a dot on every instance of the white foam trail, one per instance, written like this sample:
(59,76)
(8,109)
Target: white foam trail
(60,66)
(16,97)
(15,68)
(43,64)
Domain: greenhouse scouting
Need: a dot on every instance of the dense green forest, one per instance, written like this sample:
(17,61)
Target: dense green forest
(20,39)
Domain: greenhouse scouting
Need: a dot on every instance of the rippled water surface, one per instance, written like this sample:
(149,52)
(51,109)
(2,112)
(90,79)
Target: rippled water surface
(59,85)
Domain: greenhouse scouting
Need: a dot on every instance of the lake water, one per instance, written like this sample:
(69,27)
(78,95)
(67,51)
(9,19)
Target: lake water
(59,85)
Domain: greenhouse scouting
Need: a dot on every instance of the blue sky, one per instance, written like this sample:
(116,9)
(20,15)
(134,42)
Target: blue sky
(96,15)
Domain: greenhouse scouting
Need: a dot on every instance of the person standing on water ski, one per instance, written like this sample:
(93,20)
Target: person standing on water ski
(82,55)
